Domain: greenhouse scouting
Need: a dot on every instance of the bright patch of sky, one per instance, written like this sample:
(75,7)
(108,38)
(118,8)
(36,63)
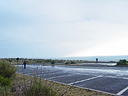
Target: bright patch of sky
(61,28)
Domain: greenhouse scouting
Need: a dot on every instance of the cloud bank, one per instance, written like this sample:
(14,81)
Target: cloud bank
(60,28)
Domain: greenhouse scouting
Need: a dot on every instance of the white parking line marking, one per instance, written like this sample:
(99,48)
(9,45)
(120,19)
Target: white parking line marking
(84,80)
(122,91)
(59,76)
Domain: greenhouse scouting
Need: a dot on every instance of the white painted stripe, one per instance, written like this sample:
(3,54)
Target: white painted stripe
(85,88)
(84,80)
(122,91)
(59,76)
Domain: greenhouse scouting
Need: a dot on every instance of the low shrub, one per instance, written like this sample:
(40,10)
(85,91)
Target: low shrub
(122,62)
(53,62)
(72,62)
(39,89)
(7,70)
(5,81)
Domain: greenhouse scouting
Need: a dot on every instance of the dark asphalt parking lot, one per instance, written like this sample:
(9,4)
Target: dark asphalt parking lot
(113,80)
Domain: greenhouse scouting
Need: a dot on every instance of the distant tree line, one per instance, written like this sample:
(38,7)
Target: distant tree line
(39,61)
(48,61)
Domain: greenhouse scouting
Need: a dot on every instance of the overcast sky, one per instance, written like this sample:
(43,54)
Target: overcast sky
(63,28)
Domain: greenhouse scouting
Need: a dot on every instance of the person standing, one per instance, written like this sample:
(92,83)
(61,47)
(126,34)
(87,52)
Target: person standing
(96,60)
(24,64)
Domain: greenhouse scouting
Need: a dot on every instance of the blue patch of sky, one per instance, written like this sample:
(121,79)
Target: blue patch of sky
(22,49)
(8,18)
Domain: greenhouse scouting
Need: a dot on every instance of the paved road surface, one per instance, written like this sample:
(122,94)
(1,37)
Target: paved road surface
(113,80)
